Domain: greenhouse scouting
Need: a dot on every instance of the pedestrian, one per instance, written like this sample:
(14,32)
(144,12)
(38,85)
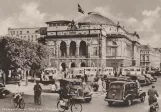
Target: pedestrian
(100,85)
(85,77)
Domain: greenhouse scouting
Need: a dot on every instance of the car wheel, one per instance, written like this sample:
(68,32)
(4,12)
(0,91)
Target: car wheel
(110,103)
(128,102)
(142,98)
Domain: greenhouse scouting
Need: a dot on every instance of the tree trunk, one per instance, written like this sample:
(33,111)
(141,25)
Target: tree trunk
(26,77)
(34,73)
(4,78)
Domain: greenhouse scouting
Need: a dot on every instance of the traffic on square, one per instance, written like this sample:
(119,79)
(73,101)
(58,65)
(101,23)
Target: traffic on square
(88,63)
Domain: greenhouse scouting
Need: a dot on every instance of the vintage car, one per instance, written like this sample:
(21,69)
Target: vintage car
(148,82)
(140,78)
(3,91)
(124,92)
(77,90)
(150,77)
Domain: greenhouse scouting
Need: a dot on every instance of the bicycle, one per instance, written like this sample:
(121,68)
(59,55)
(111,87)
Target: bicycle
(63,105)
(37,99)
(18,101)
(154,107)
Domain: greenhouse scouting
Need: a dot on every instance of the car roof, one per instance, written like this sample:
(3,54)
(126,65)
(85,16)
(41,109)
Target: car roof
(70,80)
(121,82)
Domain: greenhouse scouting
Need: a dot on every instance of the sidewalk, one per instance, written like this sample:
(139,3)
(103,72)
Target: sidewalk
(29,88)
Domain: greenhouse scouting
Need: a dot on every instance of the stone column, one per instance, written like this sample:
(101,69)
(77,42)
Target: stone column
(58,51)
(77,50)
(77,47)
(68,49)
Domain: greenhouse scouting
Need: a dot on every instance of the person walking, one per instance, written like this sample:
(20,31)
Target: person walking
(152,93)
(100,85)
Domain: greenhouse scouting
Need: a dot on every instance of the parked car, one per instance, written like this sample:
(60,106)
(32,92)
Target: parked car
(148,81)
(157,73)
(124,92)
(3,91)
(77,90)
(150,77)
(140,78)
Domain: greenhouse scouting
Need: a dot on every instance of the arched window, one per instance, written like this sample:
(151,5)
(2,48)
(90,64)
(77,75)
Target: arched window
(63,48)
(83,48)
(72,48)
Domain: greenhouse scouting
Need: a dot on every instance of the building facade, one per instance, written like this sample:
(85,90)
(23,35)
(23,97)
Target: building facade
(94,40)
(150,58)
(28,34)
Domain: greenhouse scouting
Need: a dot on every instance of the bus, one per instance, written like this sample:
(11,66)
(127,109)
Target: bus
(108,71)
(91,72)
(49,74)
(132,70)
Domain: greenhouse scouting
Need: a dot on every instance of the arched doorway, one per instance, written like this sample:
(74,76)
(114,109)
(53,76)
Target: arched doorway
(63,48)
(72,65)
(63,66)
(83,48)
(82,64)
(72,48)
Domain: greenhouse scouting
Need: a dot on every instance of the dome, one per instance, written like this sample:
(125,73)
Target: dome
(95,18)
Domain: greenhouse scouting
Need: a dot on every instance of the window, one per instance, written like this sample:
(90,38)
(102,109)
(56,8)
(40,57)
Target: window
(27,31)
(25,38)
(13,32)
(95,52)
(20,32)
(111,51)
(32,37)
(28,38)
(147,58)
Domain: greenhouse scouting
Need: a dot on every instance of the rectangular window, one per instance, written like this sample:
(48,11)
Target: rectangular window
(20,32)
(111,51)
(95,52)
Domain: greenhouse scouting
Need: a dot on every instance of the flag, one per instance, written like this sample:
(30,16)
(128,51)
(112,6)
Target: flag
(80,9)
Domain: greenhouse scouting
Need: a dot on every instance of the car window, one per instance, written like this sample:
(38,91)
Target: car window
(116,86)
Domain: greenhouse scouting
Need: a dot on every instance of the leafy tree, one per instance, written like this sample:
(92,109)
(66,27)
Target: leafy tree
(18,53)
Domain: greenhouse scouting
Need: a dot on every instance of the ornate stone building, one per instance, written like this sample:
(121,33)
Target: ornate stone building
(28,34)
(93,40)
(150,58)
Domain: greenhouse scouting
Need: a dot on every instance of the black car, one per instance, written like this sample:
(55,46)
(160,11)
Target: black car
(124,92)
(3,91)
(157,73)
(140,78)
(148,81)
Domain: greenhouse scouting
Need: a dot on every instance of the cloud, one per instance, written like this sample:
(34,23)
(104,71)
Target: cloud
(152,13)
(150,17)
(153,40)
(4,24)
(144,26)
(29,16)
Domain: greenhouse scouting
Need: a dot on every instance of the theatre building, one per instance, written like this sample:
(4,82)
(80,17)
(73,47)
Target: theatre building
(93,41)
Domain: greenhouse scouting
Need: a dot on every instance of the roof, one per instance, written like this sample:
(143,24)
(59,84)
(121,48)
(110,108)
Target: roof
(121,82)
(59,21)
(71,80)
(146,47)
(24,28)
(95,18)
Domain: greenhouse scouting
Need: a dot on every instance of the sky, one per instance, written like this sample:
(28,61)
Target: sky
(142,16)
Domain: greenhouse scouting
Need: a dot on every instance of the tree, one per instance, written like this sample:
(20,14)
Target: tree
(17,53)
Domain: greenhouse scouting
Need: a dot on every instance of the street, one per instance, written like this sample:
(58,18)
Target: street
(49,101)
